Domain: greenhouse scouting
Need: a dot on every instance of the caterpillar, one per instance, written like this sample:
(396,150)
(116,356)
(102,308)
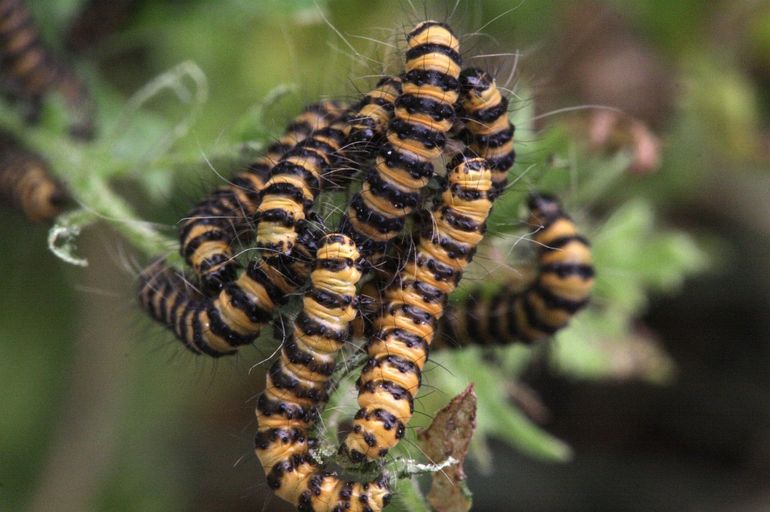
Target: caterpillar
(488,130)
(293,186)
(413,304)
(207,233)
(218,326)
(26,183)
(368,124)
(561,288)
(297,388)
(30,72)
(167,298)
(424,113)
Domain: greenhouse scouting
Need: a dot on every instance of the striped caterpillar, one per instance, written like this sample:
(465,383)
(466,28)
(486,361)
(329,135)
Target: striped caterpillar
(29,71)
(424,113)
(561,288)
(163,294)
(293,186)
(207,233)
(412,306)
(488,130)
(26,183)
(369,123)
(215,326)
(297,388)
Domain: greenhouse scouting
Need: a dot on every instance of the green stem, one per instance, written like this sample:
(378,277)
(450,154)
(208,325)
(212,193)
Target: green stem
(84,168)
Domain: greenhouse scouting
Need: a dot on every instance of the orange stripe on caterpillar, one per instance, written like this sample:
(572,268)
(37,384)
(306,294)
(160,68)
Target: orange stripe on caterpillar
(297,388)
(208,231)
(413,304)
(424,112)
(561,288)
(26,182)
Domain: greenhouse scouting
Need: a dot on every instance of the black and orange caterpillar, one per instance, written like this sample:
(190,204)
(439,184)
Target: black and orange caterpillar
(294,185)
(562,286)
(488,129)
(29,71)
(297,389)
(220,325)
(170,300)
(424,113)
(207,234)
(368,123)
(412,306)
(26,183)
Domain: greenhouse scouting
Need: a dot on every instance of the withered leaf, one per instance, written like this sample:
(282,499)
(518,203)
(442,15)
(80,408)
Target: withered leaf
(449,436)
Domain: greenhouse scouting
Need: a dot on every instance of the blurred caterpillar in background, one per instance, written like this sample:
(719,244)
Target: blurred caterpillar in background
(296,390)
(565,276)
(26,183)
(207,233)
(424,113)
(413,304)
(29,71)
(488,129)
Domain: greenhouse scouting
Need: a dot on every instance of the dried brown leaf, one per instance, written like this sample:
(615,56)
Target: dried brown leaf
(449,436)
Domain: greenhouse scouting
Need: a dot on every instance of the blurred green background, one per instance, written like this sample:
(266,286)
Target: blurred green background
(101,411)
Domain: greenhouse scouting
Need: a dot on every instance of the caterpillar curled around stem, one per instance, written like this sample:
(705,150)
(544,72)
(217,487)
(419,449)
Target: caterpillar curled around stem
(488,130)
(26,182)
(405,327)
(29,70)
(561,288)
(207,233)
(297,388)
(424,113)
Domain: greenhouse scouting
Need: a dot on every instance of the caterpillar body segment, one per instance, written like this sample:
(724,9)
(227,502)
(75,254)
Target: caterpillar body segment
(561,288)
(29,71)
(415,301)
(167,299)
(208,232)
(293,186)
(368,124)
(26,183)
(27,65)
(488,129)
(423,114)
(297,387)
(236,315)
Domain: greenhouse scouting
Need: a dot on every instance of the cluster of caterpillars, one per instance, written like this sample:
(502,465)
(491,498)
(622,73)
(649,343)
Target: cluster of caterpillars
(388,143)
